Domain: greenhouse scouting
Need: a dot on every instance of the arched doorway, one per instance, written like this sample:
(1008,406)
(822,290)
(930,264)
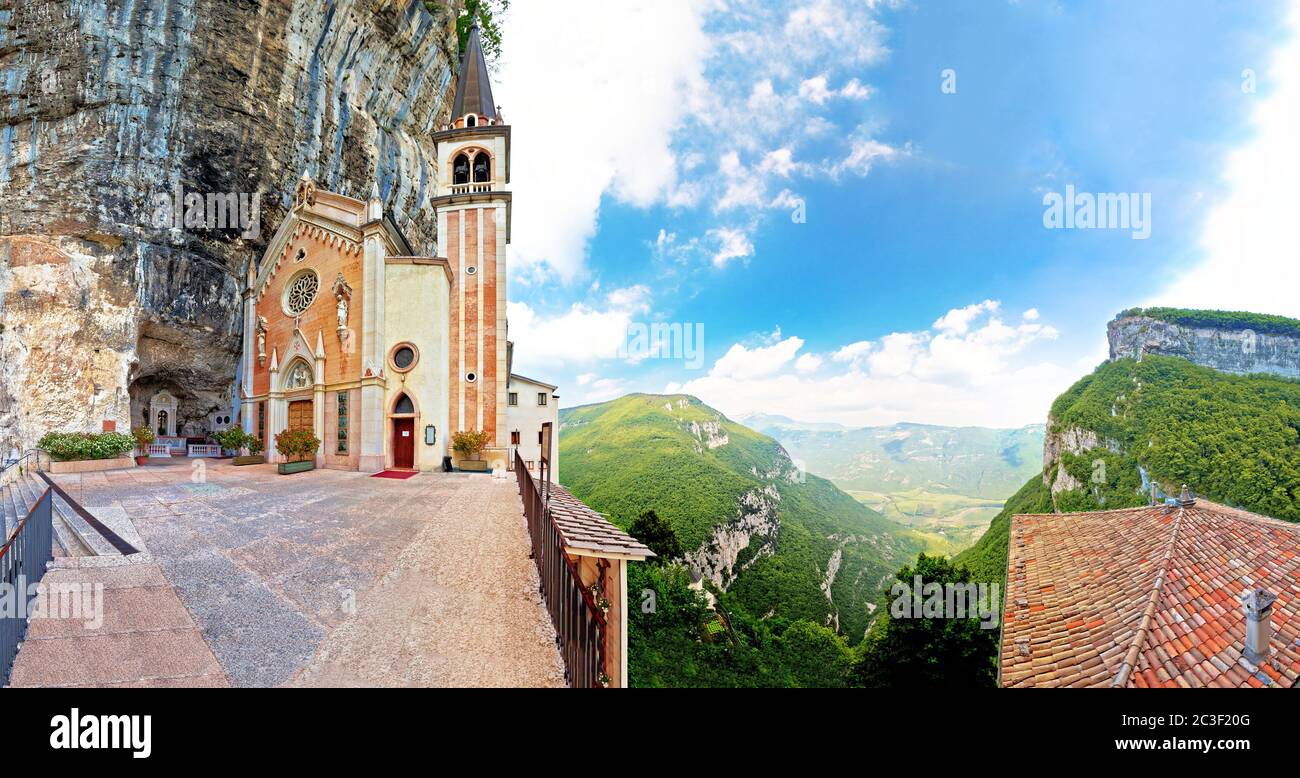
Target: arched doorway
(403,423)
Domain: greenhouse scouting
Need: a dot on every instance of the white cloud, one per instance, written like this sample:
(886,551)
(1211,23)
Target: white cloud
(634,298)
(731,244)
(976,373)
(958,320)
(865,153)
(1249,236)
(744,363)
(582,334)
(679,103)
(814,89)
(808,363)
(856,90)
(625,75)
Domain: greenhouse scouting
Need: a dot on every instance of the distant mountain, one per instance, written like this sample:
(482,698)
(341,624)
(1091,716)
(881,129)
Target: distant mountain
(775,541)
(764,421)
(971,461)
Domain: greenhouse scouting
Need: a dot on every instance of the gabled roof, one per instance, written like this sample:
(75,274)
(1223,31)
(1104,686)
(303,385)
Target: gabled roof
(1147,597)
(533,381)
(473,86)
(584,530)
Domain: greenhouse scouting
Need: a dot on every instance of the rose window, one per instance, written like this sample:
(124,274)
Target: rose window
(301,293)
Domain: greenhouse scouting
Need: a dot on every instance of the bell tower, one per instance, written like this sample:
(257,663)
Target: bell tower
(473,204)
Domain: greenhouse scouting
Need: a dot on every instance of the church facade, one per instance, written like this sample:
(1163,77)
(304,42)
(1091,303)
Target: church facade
(383,352)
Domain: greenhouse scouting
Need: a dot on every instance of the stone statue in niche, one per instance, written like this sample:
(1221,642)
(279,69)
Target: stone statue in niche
(343,295)
(261,340)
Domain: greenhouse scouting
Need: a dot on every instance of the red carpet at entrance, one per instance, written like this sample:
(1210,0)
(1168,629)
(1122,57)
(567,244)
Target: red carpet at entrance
(394,474)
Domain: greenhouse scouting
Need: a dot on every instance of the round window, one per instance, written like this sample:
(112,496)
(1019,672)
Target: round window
(471,270)
(471,377)
(301,292)
(403,357)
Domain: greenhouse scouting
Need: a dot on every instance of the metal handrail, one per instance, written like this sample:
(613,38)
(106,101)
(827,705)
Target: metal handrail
(16,465)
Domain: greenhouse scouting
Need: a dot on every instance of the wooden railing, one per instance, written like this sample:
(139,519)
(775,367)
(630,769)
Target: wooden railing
(579,624)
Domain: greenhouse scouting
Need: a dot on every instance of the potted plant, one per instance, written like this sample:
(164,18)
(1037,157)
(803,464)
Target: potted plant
(253,445)
(231,439)
(299,447)
(470,444)
(143,438)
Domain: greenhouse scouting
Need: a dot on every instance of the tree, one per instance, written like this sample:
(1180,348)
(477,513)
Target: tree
(928,651)
(488,14)
(658,534)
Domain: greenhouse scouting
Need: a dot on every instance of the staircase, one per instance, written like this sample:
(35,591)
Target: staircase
(73,536)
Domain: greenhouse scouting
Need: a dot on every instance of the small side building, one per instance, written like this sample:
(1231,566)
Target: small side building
(529,405)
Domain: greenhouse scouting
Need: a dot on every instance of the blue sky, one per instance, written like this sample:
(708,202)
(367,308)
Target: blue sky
(662,152)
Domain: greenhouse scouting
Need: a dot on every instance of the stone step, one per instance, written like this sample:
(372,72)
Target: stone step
(142,635)
(68,537)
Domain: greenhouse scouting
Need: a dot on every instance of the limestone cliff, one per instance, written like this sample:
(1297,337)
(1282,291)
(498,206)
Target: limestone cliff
(1230,348)
(114,109)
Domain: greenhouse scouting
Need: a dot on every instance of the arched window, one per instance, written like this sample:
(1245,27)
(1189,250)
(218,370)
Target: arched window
(404,405)
(482,168)
(471,121)
(460,170)
(162,423)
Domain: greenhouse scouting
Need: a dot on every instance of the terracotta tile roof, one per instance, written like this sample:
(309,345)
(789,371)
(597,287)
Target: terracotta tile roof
(582,529)
(1147,597)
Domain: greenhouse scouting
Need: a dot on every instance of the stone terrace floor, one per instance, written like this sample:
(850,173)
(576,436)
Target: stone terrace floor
(323,578)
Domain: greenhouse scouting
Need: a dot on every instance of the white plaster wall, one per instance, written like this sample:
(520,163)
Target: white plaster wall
(417,305)
(527,417)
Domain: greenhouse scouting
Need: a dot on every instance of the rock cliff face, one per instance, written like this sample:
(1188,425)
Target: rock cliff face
(113,111)
(755,523)
(1230,350)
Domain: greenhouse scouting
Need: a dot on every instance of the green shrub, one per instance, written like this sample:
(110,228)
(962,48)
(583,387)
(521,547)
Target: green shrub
(297,445)
(232,438)
(86,445)
(253,444)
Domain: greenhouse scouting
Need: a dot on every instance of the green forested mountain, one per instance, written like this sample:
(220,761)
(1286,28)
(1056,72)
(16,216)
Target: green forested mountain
(1233,439)
(794,563)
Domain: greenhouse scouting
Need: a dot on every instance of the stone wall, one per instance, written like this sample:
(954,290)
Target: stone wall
(108,105)
(1228,350)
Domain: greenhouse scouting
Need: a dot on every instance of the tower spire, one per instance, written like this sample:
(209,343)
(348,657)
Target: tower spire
(473,87)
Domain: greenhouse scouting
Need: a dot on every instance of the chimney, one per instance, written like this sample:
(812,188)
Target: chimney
(1186,499)
(1259,628)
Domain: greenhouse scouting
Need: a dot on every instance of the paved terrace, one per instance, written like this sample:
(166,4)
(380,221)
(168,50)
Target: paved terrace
(250,578)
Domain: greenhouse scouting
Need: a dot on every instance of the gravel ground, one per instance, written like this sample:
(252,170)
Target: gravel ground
(335,578)
(460,606)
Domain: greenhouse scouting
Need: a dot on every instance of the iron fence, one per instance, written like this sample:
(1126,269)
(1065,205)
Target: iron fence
(579,624)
